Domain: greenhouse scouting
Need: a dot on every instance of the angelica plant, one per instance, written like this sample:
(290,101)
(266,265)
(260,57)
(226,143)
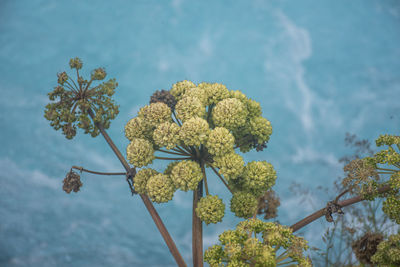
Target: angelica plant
(206,125)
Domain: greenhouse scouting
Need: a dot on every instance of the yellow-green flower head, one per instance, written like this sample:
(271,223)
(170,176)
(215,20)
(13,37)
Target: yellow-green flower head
(170,167)
(141,178)
(277,235)
(75,63)
(210,209)
(238,263)
(220,141)
(254,108)
(238,95)
(197,92)
(261,128)
(213,256)
(388,253)
(243,204)
(252,247)
(258,176)
(391,206)
(395,180)
(388,140)
(166,135)
(230,165)
(215,92)
(267,257)
(194,132)
(160,188)
(179,88)
(140,152)
(388,156)
(232,236)
(155,113)
(138,128)
(99,74)
(189,107)
(186,175)
(229,113)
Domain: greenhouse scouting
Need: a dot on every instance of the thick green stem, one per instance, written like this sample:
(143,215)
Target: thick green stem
(156,218)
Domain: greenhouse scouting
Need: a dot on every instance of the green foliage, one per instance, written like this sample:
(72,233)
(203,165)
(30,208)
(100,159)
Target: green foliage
(72,100)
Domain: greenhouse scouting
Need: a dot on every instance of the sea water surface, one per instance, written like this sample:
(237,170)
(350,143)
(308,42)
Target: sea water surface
(318,68)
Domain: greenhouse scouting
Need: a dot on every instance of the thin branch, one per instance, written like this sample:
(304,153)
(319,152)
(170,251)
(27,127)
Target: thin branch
(172,158)
(99,173)
(222,179)
(316,215)
(177,121)
(156,218)
(173,153)
(204,177)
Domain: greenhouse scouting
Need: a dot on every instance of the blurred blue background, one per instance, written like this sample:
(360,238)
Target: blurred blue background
(318,68)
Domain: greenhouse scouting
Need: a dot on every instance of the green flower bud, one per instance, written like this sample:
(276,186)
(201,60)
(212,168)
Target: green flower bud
(261,128)
(186,175)
(198,93)
(138,128)
(155,113)
(259,176)
(140,152)
(220,141)
(210,209)
(229,113)
(141,178)
(194,132)
(99,74)
(160,188)
(62,77)
(75,63)
(215,92)
(213,256)
(170,167)
(252,248)
(254,108)
(232,236)
(243,204)
(388,253)
(179,88)
(391,206)
(230,165)
(166,135)
(189,107)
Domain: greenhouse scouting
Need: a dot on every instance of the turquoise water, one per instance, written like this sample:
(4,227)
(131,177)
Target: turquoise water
(318,68)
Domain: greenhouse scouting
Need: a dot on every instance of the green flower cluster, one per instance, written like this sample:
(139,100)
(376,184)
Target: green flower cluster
(73,100)
(388,253)
(199,126)
(210,209)
(256,243)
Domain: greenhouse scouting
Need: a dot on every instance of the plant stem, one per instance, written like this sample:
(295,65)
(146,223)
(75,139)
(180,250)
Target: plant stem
(173,153)
(222,179)
(156,218)
(316,215)
(173,158)
(99,173)
(204,177)
(197,229)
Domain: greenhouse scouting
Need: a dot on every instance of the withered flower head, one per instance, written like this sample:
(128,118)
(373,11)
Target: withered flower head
(361,176)
(366,246)
(72,182)
(268,205)
(164,96)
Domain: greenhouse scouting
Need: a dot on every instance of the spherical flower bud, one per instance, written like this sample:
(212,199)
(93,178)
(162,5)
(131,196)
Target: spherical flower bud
(170,167)
(99,74)
(254,108)
(155,113)
(189,107)
(220,141)
(230,165)
(138,128)
(62,77)
(141,178)
(160,188)
(166,135)
(186,175)
(179,88)
(243,204)
(140,152)
(75,63)
(229,113)
(164,96)
(194,132)
(213,256)
(215,92)
(198,93)
(261,128)
(210,209)
(258,177)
